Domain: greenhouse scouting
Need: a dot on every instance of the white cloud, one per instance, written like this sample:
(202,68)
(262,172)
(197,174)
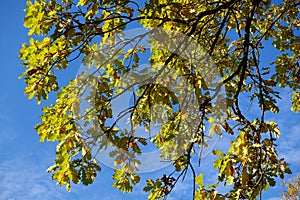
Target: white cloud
(274,198)
(290,138)
(6,134)
(292,156)
(288,145)
(23,179)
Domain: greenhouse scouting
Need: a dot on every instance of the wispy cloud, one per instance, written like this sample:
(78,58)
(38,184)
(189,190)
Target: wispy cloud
(289,144)
(23,179)
(274,198)
(6,134)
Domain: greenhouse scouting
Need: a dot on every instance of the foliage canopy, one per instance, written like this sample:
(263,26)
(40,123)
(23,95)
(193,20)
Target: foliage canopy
(233,34)
(293,188)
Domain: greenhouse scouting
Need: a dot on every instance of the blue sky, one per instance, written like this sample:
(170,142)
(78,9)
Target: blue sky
(23,160)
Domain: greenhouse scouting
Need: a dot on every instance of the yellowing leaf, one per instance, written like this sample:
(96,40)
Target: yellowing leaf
(82,2)
(199,180)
